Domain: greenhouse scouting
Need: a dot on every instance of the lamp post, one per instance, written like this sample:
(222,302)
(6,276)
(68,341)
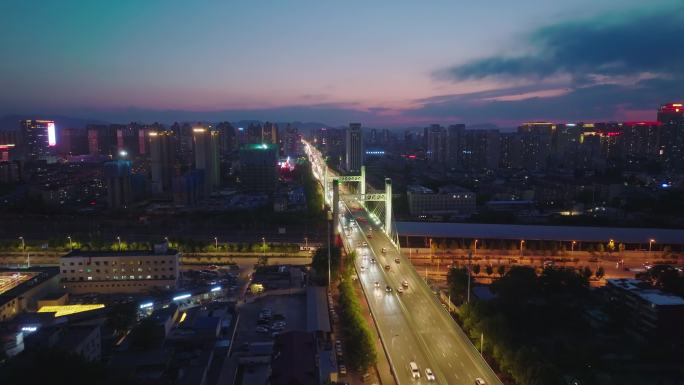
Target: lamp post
(572,248)
(328,236)
(118,238)
(475,250)
(522,242)
(263,245)
(216,243)
(650,246)
(23,248)
(71,244)
(306,243)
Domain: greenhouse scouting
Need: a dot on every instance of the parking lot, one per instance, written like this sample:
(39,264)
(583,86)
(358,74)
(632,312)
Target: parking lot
(292,307)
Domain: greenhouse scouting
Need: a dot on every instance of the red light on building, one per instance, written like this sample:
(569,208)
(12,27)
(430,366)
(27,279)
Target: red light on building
(642,123)
(612,134)
(672,107)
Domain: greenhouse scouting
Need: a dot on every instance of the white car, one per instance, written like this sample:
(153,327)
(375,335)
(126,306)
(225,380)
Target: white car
(415,372)
(479,381)
(377,284)
(404,283)
(429,375)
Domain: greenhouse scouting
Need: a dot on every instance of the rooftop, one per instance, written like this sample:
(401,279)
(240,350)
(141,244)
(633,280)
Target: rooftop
(646,292)
(543,233)
(127,253)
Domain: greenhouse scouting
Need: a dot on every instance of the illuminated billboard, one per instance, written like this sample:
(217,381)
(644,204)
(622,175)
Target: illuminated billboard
(52,135)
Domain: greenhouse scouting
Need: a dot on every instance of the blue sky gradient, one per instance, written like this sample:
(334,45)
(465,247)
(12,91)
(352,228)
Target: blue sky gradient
(386,63)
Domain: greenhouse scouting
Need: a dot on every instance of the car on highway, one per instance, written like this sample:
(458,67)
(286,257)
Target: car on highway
(397,260)
(415,372)
(365,244)
(370,235)
(343,370)
(372,260)
(261,329)
(400,290)
(429,375)
(404,283)
(377,284)
(384,250)
(387,267)
(388,289)
(363,268)
(479,381)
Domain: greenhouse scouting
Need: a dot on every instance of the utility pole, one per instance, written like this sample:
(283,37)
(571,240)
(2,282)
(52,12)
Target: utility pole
(329,236)
(470,254)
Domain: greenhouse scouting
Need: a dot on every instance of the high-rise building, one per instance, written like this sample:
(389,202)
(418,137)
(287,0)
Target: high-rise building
(162,159)
(436,143)
(39,139)
(671,116)
(354,146)
(258,164)
(206,142)
(641,142)
(227,138)
(103,139)
(292,142)
(536,141)
(72,142)
(454,137)
(480,149)
(117,176)
(269,133)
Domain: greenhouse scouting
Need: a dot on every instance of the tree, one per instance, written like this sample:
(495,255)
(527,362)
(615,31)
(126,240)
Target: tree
(319,263)
(501,270)
(586,272)
(457,279)
(489,269)
(476,269)
(600,272)
(51,366)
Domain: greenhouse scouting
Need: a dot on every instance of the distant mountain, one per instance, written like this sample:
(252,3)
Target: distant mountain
(11,122)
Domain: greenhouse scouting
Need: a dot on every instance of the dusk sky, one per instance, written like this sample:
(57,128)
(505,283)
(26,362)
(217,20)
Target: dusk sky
(383,63)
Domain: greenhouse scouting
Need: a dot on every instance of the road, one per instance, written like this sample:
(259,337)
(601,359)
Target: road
(413,325)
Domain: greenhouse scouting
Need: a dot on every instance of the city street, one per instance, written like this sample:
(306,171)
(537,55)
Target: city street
(413,324)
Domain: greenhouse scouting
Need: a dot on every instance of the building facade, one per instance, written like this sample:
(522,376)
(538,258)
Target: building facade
(424,202)
(354,148)
(120,271)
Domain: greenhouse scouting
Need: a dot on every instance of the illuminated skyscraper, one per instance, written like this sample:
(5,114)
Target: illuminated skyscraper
(671,116)
(206,143)
(436,143)
(117,175)
(162,159)
(39,139)
(258,164)
(354,143)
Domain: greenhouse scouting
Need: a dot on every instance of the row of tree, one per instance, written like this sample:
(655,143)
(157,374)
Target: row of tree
(359,345)
(185,245)
(534,328)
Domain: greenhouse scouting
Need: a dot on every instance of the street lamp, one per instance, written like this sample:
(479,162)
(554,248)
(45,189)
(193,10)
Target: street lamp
(23,248)
(216,243)
(71,244)
(306,243)
(522,242)
(650,245)
(118,238)
(475,251)
(572,247)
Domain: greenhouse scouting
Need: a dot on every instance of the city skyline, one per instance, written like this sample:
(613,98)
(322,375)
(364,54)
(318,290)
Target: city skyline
(340,63)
